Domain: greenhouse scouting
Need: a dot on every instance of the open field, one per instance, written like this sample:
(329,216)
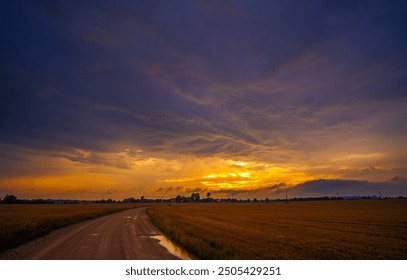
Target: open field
(20,223)
(363,229)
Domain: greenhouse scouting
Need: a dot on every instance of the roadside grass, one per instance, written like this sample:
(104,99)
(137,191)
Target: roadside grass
(20,223)
(361,229)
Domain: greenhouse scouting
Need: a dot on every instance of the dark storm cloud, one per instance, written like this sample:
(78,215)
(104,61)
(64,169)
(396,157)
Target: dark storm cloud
(324,187)
(349,188)
(198,77)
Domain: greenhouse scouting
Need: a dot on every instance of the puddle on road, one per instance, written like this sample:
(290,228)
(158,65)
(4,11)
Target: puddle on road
(171,247)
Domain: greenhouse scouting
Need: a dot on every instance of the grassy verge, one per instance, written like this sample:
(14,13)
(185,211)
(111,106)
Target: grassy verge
(22,223)
(298,230)
(179,233)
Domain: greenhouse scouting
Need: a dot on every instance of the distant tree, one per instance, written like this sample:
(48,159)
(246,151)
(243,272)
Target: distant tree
(208,195)
(129,200)
(142,198)
(178,199)
(195,197)
(10,198)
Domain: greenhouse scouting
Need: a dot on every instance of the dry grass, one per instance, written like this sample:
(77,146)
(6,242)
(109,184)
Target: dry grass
(25,222)
(297,230)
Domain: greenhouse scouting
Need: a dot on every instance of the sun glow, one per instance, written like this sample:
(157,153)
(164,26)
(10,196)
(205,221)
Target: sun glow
(238,163)
(244,174)
(86,175)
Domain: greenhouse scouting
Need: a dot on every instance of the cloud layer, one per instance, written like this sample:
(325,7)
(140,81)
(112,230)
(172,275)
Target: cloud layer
(317,89)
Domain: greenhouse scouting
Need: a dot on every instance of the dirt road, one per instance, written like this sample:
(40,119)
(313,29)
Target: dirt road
(124,235)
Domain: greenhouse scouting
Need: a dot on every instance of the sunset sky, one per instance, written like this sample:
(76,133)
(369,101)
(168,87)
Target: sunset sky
(113,99)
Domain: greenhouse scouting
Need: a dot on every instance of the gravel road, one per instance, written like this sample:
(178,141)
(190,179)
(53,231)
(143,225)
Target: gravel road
(124,235)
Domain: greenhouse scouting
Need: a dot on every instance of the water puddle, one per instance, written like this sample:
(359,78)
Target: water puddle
(171,247)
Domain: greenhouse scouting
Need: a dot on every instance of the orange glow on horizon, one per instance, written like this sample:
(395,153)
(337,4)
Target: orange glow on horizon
(120,175)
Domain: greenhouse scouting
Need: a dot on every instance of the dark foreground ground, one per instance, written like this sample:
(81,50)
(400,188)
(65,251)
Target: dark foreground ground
(124,235)
(336,230)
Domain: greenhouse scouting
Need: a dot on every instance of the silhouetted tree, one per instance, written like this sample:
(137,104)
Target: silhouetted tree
(195,197)
(129,200)
(10,198)
(178,199)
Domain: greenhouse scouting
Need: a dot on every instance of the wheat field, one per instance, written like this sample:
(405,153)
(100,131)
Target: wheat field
(363,229)
(20,223)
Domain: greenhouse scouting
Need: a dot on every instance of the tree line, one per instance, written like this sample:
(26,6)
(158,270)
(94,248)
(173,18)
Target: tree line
(193,198)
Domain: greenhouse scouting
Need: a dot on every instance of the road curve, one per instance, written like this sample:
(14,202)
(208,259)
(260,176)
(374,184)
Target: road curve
(125,235)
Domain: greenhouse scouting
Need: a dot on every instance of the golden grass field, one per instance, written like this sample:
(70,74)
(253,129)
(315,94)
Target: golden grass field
(363,229)
(20,223)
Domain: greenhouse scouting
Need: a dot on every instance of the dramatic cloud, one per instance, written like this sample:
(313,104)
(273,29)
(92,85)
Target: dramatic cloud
(150,94)
(322,187)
